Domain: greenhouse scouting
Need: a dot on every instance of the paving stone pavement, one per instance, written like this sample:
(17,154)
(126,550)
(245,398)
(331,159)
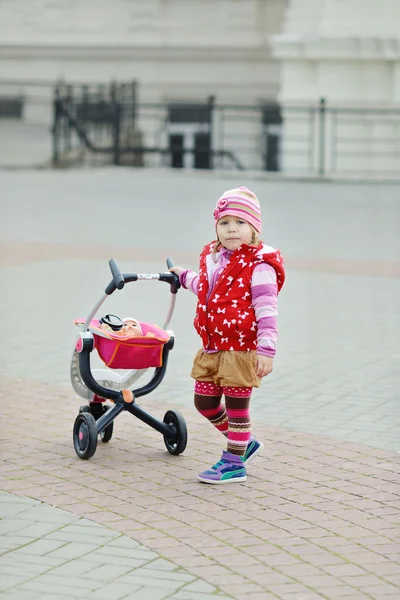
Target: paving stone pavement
(47,553)
(319,514)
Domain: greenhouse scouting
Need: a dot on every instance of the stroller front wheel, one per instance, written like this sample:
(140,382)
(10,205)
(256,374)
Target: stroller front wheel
(85,435)
(176,443)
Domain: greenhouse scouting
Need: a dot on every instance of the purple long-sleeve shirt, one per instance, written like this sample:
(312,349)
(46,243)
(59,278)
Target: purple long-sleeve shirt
(264,292)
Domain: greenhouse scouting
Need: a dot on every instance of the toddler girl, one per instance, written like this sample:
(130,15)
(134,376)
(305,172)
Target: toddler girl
(236,317)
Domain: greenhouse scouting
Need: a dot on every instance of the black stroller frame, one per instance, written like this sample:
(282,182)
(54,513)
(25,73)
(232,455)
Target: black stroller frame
(95,419)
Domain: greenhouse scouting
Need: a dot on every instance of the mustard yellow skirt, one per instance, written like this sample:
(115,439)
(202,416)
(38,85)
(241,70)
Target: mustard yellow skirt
(226,368)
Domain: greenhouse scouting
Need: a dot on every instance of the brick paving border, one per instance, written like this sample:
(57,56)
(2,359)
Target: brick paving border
(22,253)
(317,518)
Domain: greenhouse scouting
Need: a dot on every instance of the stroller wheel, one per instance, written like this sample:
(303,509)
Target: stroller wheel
(106,434)
(85,435)
(175,444)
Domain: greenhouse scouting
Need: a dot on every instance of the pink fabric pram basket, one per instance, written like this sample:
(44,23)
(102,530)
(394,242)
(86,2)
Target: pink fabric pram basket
(119,352)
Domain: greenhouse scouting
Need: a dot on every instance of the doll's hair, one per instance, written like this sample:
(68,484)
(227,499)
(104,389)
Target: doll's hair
(253,242)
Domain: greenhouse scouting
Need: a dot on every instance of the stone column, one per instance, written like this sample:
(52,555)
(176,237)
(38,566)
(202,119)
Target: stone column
(347,52)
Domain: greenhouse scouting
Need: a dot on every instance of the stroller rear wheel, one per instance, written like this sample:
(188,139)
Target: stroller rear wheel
(175,444)
(85,435)
(106,434)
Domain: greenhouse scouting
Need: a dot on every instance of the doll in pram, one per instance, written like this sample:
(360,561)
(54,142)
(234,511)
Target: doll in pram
(122,344)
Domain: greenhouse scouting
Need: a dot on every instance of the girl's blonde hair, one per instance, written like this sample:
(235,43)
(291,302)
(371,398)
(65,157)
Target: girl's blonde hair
(253,242)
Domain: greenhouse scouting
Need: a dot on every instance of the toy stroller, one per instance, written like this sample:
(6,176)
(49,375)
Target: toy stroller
(148,349)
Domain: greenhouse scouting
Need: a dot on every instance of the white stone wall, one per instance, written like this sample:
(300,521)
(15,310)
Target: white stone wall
(347,52)
(177,50)
(174,48)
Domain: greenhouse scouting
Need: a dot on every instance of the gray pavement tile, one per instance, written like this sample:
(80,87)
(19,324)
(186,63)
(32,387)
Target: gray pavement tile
(7,509)
(81,527)
(108,572)
(27,560)
(9,581)
(37,529)
(140,578)
(51,591)
(29,570)
(14,525)
(200,587)
(18,594)
(108,551)
(197,595)
(147,592)
(69,550)
(116,591)
(178,576)
(97,536)
(10,541)
(97,559)
(53,582)
(18,501)
(160,564)
(41,547)
(72,568)
(123,542)
(48,515)
(55,596)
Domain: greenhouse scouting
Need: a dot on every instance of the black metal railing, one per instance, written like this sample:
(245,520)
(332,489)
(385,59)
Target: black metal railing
(105,124)
(91,118)
(114,125)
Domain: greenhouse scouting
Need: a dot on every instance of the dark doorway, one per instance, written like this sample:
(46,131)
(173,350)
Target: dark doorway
(190,134)
(176,150)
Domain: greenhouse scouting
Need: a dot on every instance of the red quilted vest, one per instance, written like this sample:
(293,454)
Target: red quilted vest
(226,319)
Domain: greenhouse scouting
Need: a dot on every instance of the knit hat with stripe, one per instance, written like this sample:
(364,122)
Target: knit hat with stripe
(242,203)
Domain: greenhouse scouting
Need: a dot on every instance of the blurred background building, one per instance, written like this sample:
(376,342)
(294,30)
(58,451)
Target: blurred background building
(302,86)
(346,53)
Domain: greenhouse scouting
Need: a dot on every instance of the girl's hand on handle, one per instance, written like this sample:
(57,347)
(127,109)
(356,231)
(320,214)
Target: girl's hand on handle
(264,365)
(177,270)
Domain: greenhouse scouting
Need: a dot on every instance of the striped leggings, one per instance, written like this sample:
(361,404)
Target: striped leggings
(232,419)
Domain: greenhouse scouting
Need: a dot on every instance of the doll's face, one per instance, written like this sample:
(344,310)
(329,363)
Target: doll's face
(131,328)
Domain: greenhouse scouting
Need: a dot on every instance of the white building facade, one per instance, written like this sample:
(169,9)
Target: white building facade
(243,53)
(348,53)
(176,50)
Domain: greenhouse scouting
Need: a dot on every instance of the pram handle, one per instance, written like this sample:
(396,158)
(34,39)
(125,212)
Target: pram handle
(175,283)
(118,278)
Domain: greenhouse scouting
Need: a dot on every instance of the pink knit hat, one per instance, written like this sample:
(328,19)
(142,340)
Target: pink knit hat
(239,202)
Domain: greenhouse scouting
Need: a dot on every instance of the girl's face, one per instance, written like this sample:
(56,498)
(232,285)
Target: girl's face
(233,232)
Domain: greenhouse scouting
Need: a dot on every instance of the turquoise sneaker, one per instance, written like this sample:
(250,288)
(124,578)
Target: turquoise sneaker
(230,469)
(253,448)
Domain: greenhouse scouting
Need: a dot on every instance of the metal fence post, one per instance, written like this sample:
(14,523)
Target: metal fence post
(67,126)
(321,156)
(116,133)
(211,107)
(55,130)
(133,101)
